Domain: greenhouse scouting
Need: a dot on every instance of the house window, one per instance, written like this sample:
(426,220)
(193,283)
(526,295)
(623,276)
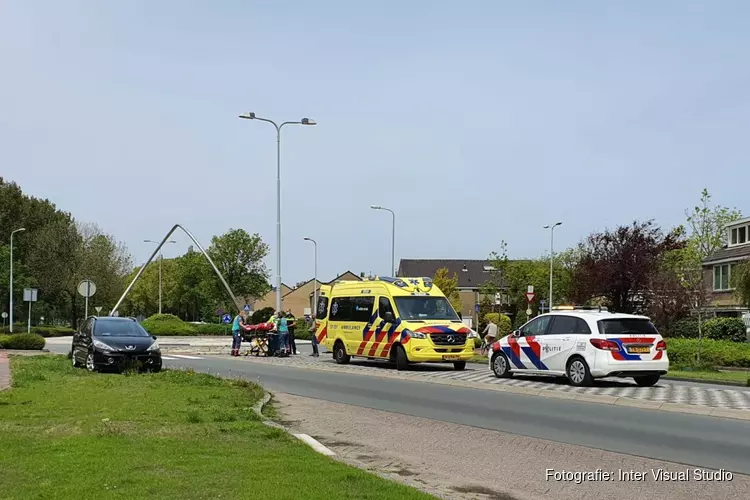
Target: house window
(734,236)
(722,277)
(741,235)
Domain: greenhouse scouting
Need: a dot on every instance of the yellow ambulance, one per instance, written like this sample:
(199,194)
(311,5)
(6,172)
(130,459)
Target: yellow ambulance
(402,320)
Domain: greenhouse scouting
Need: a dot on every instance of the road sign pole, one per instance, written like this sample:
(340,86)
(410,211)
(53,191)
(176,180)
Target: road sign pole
(28,330)
(88,292)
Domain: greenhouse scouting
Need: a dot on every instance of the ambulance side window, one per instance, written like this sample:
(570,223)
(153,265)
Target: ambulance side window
(341,309)
(384,306)
(362,308)
(322,308)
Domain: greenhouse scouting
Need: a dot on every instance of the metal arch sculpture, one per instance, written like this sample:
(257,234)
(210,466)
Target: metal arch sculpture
(143,268)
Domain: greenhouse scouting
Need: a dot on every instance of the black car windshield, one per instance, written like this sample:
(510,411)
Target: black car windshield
(626,326)
(425,308)
(118,328)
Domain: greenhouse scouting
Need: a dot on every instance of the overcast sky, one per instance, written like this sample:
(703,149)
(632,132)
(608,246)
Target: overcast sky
(475,121)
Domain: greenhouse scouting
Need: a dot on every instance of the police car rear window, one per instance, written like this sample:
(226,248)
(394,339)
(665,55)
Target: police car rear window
(626,326)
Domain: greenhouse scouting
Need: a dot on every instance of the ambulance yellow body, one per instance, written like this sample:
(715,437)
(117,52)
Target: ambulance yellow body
(402,320)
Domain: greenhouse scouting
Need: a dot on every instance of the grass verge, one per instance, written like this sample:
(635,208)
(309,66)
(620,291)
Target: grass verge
(69,434)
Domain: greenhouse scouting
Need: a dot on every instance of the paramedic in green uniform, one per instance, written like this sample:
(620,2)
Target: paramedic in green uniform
(237,324)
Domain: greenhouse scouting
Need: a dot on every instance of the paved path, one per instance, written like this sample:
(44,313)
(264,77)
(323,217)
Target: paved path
(4,371)
(462,462)
(665,392)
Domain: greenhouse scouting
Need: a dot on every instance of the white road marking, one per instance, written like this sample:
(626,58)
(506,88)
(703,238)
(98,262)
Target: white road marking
(167,357)
(314,444)
(182,356)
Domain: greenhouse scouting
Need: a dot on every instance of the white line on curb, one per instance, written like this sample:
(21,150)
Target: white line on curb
(314,444)
(184,356)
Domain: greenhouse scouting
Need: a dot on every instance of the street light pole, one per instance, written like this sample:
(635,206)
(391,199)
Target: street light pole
(303,121)
(11,275)
(393,236)
(551,257)
(315,279)
(161,258)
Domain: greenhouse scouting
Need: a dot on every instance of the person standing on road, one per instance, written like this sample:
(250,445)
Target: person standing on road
(313,329)
(237,324)
(283,328)
(292,324)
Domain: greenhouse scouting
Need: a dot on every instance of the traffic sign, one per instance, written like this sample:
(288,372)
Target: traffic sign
(4,315)
(247,307)
(498,298)
(29,294)
(528,312)
(219,312)
(530,296)
(86,288)
(476,307)
(98,309)
(226,318)
(530,289)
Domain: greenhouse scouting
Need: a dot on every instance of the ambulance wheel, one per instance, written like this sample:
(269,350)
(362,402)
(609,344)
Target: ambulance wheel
(647,380)
(402,362)
(578,372)
(340,355)
(459,365)
(500,366)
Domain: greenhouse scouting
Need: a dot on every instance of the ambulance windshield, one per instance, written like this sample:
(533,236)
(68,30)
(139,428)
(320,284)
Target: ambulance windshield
(425,309)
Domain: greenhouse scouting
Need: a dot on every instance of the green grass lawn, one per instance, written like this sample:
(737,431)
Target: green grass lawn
(69,434)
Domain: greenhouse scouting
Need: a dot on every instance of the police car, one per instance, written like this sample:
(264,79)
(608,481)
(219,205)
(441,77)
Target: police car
(581,344)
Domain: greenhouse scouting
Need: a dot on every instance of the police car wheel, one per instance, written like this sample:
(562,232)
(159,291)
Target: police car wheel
(647,380)
(578,373)
(500,366)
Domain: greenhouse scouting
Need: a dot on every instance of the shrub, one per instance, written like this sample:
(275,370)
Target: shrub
(686,328)
(212,329)
(167,324)
(22,341)
(732,329)
(44,331)
(503,322)
(684,353)
(262,315)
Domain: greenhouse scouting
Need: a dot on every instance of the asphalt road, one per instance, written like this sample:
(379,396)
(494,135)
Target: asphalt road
(694,440)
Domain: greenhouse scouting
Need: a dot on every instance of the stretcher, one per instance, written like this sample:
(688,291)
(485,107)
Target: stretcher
(258,336)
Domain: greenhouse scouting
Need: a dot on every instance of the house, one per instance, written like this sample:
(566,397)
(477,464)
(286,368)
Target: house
(268,300)
(471,274)
(300,298)
(718,269)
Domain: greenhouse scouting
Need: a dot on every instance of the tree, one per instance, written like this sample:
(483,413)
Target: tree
(449,286)
(707,234)
(617,266)
(742,283)
(239,257)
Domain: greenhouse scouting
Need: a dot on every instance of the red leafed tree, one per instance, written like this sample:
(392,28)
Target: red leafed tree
(619,266)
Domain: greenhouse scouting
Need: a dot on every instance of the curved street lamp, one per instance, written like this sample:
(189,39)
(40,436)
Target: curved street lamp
(393,236)
(11,275)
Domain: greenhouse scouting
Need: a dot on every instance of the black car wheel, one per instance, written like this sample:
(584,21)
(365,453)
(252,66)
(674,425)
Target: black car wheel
(90,365)
(647,380)
(72,356)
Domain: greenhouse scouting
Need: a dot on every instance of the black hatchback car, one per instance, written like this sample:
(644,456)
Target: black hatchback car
(114,343)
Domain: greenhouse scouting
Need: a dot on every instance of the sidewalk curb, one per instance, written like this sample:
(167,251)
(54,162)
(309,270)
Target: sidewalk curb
(305,438)
(644,404)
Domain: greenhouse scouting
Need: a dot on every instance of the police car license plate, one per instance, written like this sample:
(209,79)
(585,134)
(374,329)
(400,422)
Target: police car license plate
(450,357)
(639,349)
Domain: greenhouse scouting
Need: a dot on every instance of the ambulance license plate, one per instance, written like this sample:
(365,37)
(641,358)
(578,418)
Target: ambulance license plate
(450,357)
(639,350)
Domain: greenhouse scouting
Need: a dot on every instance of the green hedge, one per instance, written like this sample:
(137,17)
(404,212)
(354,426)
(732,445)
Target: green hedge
(714,353)
(732,329)
(22,341)
(44,330)
(170,325)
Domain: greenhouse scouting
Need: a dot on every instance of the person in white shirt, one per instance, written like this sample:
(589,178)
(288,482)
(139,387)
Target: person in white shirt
(490,333)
